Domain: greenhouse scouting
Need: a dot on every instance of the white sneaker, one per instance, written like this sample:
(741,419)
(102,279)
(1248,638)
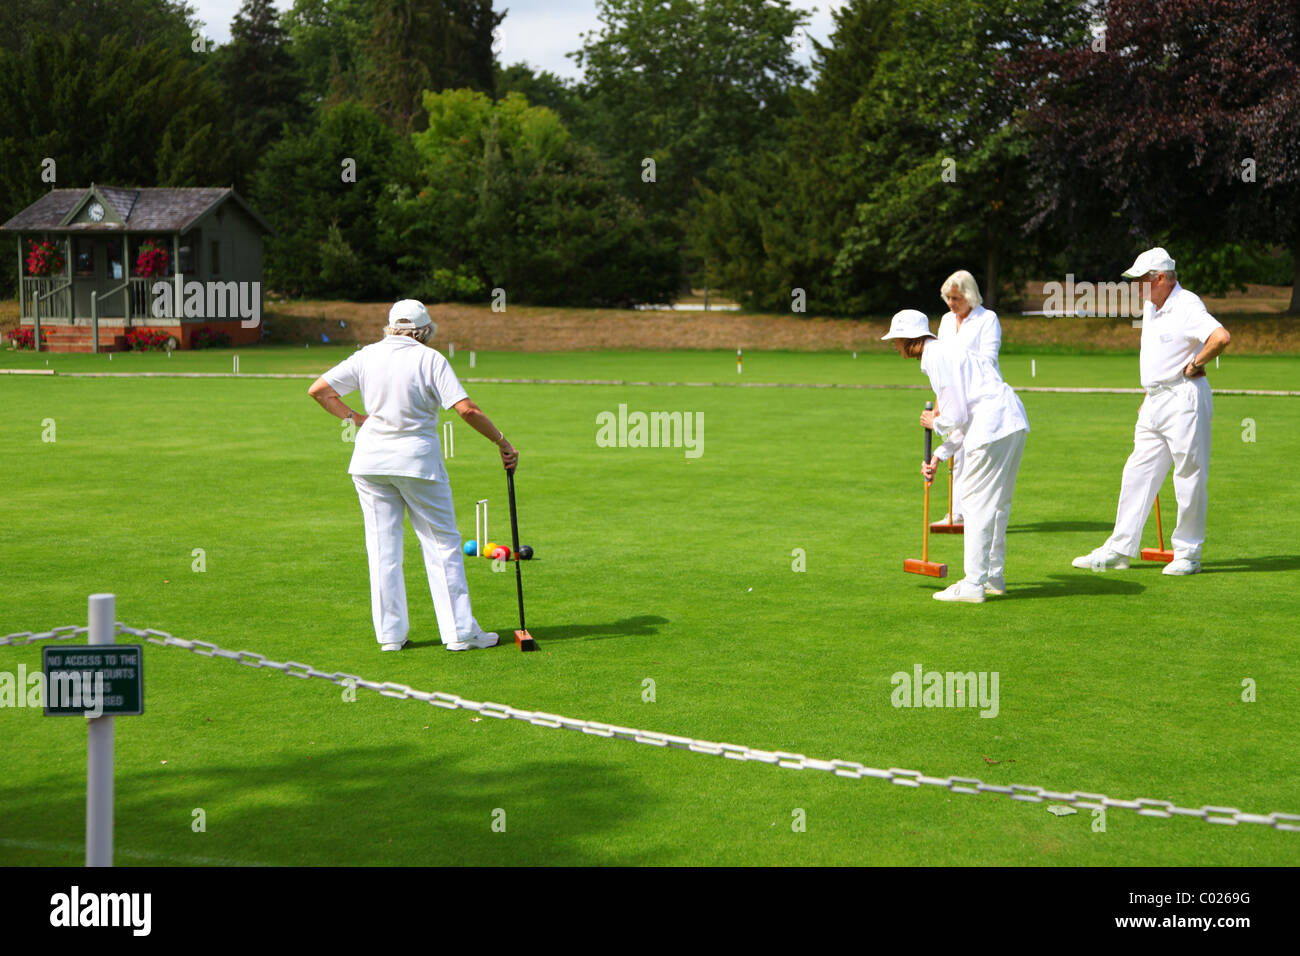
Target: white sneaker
(1182,566)
(1102,559)
(392,647)
(995,586)
(961,591)
(944,520)
(483,639)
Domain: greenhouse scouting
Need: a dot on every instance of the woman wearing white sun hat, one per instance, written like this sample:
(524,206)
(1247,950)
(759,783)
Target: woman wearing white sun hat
(397,466)
(979,330)
(982,414)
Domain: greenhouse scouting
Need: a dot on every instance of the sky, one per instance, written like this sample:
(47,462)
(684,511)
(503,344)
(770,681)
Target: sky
(538,32)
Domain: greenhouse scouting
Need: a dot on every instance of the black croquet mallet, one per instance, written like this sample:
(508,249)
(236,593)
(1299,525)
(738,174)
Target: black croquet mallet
(522,637)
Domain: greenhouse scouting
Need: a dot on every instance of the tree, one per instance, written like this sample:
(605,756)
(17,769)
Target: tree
(108,112)
(541,88)
(328,40)
(418,45)
(329,222)
(901,165)
(261,81)
(1180,123)
(948,184)
(507,199)
(168,23)
(688,83)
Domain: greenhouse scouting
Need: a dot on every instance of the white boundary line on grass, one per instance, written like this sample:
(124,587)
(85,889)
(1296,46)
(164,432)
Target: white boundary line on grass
(792,761)
(637,384)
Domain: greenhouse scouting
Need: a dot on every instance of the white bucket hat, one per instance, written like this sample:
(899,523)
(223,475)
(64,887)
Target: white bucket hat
(409,314)
(908,324)
(1153,260)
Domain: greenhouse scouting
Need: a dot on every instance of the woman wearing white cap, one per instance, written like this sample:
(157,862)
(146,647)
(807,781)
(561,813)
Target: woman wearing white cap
(397,465)
(982,414)
(979,330)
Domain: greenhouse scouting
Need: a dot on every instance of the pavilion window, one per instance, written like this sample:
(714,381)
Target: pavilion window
(115,259)
(85,257)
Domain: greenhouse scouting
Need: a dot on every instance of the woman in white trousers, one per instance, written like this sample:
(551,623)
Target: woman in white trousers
(397,467)
(979,330)
(981,413)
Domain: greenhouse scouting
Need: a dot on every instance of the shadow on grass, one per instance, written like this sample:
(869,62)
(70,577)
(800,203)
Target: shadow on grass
(1070,585)
(399,805)
(1277,562)
(643,625)
(1051,527)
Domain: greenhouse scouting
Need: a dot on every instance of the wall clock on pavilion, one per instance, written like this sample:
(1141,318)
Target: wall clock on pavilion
(96,212)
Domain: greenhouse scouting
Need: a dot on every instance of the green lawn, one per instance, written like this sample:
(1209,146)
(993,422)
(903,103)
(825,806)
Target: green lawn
(1030,368)
(650,565)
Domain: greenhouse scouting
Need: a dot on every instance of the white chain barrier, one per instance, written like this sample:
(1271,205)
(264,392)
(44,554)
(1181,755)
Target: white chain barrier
(841,768)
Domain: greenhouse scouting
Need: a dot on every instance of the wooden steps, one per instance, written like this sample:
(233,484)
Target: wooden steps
(78,338)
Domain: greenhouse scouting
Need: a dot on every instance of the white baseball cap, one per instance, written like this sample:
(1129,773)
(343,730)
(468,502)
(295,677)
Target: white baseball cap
(1153,260)
(409,314)
(908,324)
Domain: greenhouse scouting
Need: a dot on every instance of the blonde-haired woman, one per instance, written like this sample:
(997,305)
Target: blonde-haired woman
(979,330)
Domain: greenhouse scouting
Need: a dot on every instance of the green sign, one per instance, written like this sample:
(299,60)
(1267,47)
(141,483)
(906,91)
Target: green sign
(95,680)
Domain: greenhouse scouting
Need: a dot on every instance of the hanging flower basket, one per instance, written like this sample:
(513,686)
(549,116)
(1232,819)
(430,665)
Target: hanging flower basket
(152,260)
(43,259)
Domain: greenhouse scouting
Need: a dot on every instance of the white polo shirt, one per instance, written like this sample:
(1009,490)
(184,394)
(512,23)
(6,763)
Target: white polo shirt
(403,384)
(980,332)
(976,407)
(1172,336)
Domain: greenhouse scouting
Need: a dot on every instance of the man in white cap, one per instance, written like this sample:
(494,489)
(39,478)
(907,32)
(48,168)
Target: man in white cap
(980,331)
(397,465)
(981,413)
(1179,337)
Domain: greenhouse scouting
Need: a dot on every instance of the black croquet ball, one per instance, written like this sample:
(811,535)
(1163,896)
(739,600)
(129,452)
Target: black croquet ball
(525,551)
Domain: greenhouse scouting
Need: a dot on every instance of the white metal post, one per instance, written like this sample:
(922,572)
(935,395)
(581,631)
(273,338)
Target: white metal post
(480,535)
(99,758)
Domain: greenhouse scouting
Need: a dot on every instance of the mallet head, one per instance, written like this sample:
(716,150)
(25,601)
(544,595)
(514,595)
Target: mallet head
(913,566)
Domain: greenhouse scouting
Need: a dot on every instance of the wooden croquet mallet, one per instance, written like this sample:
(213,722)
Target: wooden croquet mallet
(1157,554)
(949,528)
(925,565)
(1160,554)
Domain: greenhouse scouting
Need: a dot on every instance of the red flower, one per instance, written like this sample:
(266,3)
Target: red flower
(43,259)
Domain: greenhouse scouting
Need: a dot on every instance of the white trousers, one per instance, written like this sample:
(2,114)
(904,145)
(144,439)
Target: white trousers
(958,463)
(1173,428)
(385,499)
(987,481)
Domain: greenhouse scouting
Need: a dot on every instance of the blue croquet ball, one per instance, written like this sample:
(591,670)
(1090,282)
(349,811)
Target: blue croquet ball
(525,551)
(471,548)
